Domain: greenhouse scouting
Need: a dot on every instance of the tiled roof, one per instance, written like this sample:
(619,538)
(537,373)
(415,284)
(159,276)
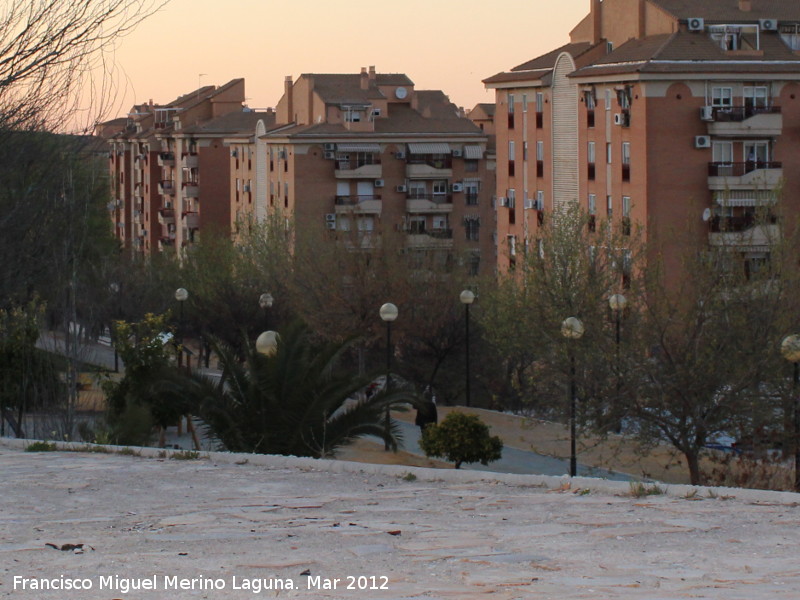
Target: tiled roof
(234,122)
(687,52)
(344,88)
(542,66)
(728,10)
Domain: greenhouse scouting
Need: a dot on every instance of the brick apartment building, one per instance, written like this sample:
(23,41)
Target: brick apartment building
(171,168)
(680,116)
(367,152)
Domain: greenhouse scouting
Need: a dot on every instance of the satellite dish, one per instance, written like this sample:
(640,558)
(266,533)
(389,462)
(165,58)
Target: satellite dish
(401,92)
(706,214)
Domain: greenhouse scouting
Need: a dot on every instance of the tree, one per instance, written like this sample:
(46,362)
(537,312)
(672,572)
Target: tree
(298,401)
(461,438)
(705,357)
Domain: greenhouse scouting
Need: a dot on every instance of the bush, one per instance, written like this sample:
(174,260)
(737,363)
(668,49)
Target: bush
(461,438)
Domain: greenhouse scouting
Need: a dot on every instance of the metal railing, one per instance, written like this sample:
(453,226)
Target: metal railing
(738,169)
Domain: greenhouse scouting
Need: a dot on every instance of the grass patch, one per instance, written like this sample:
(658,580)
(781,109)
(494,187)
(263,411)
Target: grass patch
(185,455)
(41,447)
(640,490)
(409,477)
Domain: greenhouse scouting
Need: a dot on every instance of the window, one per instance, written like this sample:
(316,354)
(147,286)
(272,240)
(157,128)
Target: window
(471,166)
(626,206)
(471,189)
(511,157)
(352,115)
(540,158)
(511,240)
(525,151)
(342,223)
(626,161)
(539,110)
(590,158)
(592,204)
(366,223)
(511,111)
(440,187)
(439,222)
(524,103)
(511,197)
(472,226)
(416,225)
(416,189)
(608,99)
(722,153)
(722,97)
(755,97)
(608,153)
(609,207)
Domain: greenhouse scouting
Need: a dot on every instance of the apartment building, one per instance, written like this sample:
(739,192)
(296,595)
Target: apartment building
(171,168)
(367,152)
(679,116)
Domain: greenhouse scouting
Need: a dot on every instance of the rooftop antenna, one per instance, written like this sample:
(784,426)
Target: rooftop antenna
(199,82)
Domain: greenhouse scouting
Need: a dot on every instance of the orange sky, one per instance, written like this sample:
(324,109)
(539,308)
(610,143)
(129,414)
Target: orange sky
(440,44)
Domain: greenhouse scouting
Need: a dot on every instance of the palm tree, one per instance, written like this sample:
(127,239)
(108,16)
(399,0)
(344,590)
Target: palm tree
(296,401)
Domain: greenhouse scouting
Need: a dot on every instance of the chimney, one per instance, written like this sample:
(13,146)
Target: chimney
(287,91)
(372,75)
(597,20)
(364,78)
(745,5)
(642,20)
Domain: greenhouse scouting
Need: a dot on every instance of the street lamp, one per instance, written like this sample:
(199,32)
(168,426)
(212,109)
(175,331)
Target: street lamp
(572,329)
(467,297)
(388,313)
(115,288)
(267,343)
(790,348)
(181,295)
(265,301)
(617,303)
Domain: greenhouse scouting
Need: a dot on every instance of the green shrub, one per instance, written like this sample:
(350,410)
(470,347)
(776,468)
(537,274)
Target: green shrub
(41,447)
(461,438)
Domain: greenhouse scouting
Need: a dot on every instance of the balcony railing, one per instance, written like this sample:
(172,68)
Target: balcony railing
(191,189)
(738,169)
(436,163)
(352,164)
(739,224)
(166,186)
(190,160)
(353,200)
(166,159)
(436,198)
(737,114)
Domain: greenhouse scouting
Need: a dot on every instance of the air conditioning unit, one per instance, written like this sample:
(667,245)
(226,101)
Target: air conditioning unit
(234,153)
(618,118)
(457,187)
(401,188)
(501,201)
(246,187)
(330,155)
(330,147)
(707,113)
(400,155)
(530,204)
(696,24)
(330,218)
(330,224)
(379,183)
(768,24)
(458,153)
(702,141)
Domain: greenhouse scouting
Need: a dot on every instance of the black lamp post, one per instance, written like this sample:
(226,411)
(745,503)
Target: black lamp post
(572,329)
(388,313)
(790,348)
(181,295)
(265,301)
(617,303)
(467,297)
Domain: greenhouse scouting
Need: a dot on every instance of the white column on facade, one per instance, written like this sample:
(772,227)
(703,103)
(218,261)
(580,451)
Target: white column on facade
(177,175)
(261,174)
(565,134)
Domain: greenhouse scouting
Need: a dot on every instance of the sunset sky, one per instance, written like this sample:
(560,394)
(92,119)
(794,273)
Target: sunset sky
(440,44)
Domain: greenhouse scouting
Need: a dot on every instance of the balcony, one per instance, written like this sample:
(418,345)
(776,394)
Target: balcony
(359,204)
(166,159)
(359,169)
(192,220)
(429,203)
(166,187)
(762,175)
(189,160)
(191,189)
(166,216)
(743,231)
(746,121)
(435,238)
(420,167)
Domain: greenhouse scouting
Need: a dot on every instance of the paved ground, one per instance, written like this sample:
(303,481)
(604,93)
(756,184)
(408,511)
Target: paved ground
(440,535)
